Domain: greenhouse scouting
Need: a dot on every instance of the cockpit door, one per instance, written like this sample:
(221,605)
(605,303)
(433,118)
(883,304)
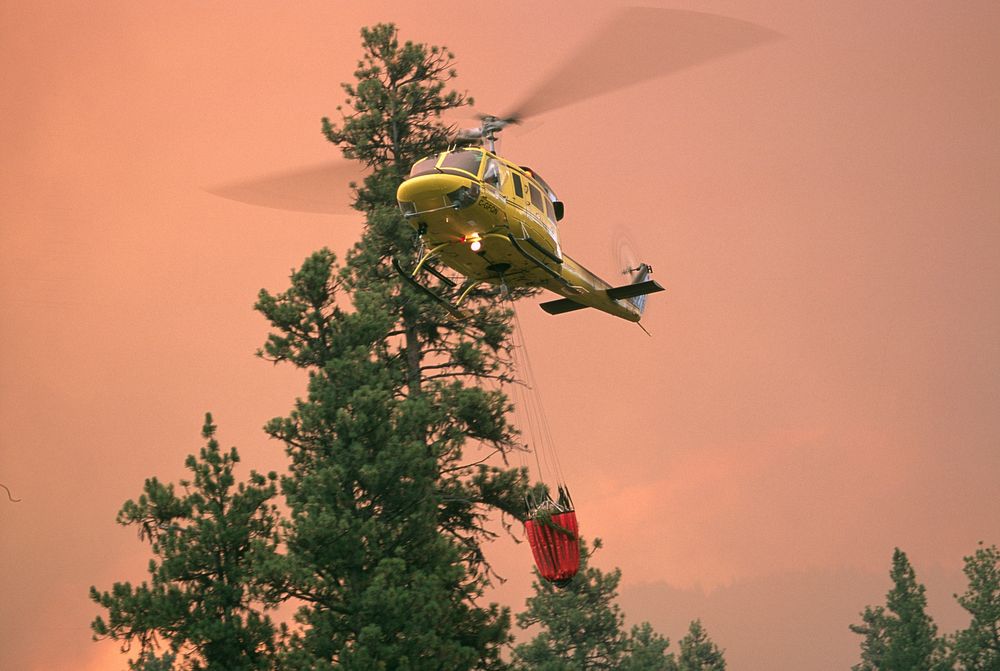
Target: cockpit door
(537,210)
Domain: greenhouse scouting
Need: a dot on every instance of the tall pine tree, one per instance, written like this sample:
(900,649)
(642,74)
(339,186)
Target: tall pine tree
(384,543)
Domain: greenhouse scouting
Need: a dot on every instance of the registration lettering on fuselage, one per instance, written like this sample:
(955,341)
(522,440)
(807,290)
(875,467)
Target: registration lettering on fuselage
(488,206)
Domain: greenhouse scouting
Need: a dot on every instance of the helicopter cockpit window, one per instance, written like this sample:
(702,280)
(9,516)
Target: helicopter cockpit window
(423,166)
(536,197)
(550,210)
(517,184)
(492,173)
(465,160)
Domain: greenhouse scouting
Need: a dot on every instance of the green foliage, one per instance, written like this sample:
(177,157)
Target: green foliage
(383,540)
(900,636)
(396,104)
(210,544)
(647,651)
(977,648)
(698,652)
(582,627)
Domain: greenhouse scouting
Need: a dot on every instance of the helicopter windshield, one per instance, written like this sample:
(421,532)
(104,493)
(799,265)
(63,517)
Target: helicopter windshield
(423,166)
(464,160)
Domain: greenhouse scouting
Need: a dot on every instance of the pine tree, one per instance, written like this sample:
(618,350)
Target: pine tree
(977,647)
(209,545)
(698,652)
(900,636)
(647,651)
(582,627)
(384,543)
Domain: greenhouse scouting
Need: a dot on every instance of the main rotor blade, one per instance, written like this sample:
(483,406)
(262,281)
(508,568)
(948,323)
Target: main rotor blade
(638,44)
(323,188)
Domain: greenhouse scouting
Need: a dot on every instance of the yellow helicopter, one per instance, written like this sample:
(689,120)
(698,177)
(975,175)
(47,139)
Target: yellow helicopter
(494,221)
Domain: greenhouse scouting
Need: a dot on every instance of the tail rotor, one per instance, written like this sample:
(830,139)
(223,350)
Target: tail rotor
(628,264)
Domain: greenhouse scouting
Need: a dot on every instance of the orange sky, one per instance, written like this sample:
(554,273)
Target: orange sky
(822,381)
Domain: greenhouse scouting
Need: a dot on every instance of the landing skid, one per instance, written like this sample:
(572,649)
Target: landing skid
(453,310)
(533,259)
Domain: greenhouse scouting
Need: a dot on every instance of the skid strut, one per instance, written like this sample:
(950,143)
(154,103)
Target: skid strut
(409,278)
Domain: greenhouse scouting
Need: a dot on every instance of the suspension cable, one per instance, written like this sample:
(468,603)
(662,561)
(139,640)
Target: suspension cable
(529,398)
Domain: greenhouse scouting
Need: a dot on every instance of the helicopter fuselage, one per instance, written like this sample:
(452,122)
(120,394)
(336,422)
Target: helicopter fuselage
(493,221)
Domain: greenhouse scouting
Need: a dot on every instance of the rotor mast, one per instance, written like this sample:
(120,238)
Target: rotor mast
(487,132)
(491,125)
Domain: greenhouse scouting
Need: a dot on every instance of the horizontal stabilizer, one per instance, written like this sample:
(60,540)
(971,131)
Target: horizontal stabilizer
(560,306)
(633,290)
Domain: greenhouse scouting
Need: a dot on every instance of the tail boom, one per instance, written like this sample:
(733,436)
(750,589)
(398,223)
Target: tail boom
(589,291)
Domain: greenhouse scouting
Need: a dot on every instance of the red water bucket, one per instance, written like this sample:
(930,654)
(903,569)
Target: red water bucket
(555,544)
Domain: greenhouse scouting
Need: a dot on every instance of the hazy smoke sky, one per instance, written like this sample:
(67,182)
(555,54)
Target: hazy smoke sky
(823,378)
